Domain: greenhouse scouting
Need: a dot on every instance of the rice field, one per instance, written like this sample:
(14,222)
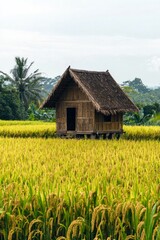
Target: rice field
(63,189)
(25,129)
(35,129)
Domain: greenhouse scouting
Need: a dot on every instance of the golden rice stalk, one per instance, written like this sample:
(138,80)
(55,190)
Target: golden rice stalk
(139,207)
(30,235)
(59,228)
(95,215)
(140,228)
(142,212)
(51,220)
(61,238)
(155,215)
(52,199)
(12,219)
(130,237)
(155,232)
(117,225)
(16,205)
(11,232)
(34,221)
(124,210)
(2,215)
(60,211)
(26,224)
(118,209)
(99,227)
(33,233)
(158,208)
(74,227)
(16,230)
(49,212)
(127,206)
(143,235)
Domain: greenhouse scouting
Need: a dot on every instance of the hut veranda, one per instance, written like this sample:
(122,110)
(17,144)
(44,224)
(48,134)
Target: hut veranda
(88,103)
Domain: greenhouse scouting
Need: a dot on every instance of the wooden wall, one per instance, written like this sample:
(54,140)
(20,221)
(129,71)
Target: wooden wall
(73,97)
(115,124)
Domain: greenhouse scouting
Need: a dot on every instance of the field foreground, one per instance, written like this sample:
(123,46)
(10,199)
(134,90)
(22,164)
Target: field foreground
(79,189)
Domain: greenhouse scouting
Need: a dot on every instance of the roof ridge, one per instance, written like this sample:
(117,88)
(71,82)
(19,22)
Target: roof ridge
(88,71)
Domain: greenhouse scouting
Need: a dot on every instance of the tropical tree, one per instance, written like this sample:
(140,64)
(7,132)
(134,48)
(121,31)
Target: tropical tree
(27,85)
(9,102)
(137,85)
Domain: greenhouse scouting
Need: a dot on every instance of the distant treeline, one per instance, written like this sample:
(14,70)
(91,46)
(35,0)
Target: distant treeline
(21,94)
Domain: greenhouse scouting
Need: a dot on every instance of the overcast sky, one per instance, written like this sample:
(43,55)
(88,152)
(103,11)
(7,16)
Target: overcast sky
(122,36)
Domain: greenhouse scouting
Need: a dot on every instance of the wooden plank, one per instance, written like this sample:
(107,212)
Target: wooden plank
(104,126)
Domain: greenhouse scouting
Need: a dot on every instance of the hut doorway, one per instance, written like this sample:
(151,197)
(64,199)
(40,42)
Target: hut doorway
(71,119)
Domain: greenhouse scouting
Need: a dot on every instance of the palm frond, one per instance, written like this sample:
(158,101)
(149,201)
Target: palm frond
(27,85)
(8,78)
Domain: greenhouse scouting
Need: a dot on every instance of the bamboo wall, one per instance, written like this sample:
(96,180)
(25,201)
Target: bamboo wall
(115,124)
(73,97)
(87,119)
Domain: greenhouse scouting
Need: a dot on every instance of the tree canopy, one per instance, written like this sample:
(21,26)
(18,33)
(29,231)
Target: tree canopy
(9,102)
(148,101)
(26,84)
(136,84)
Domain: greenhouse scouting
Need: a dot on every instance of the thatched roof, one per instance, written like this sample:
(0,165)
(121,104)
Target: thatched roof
(100,87)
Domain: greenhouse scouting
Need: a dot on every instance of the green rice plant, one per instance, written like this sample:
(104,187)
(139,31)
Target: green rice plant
(152,220)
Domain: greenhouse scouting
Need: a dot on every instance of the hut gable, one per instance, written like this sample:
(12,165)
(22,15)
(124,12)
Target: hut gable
(72,92)
(99,87)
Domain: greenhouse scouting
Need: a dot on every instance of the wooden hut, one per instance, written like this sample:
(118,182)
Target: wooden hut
(88,102)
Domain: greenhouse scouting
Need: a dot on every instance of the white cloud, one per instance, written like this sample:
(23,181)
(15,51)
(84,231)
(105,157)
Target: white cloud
(22,7)
(78,45)
(36,44)
(154,64)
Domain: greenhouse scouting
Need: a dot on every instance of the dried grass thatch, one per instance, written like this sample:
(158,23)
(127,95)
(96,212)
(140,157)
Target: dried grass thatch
(100,87)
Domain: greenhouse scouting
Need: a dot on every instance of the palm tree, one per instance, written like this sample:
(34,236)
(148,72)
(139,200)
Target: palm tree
(27,85)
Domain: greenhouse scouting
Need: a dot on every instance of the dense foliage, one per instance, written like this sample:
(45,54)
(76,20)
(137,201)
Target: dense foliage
(147,100)
(9,102)
(25,85)
(22,92)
